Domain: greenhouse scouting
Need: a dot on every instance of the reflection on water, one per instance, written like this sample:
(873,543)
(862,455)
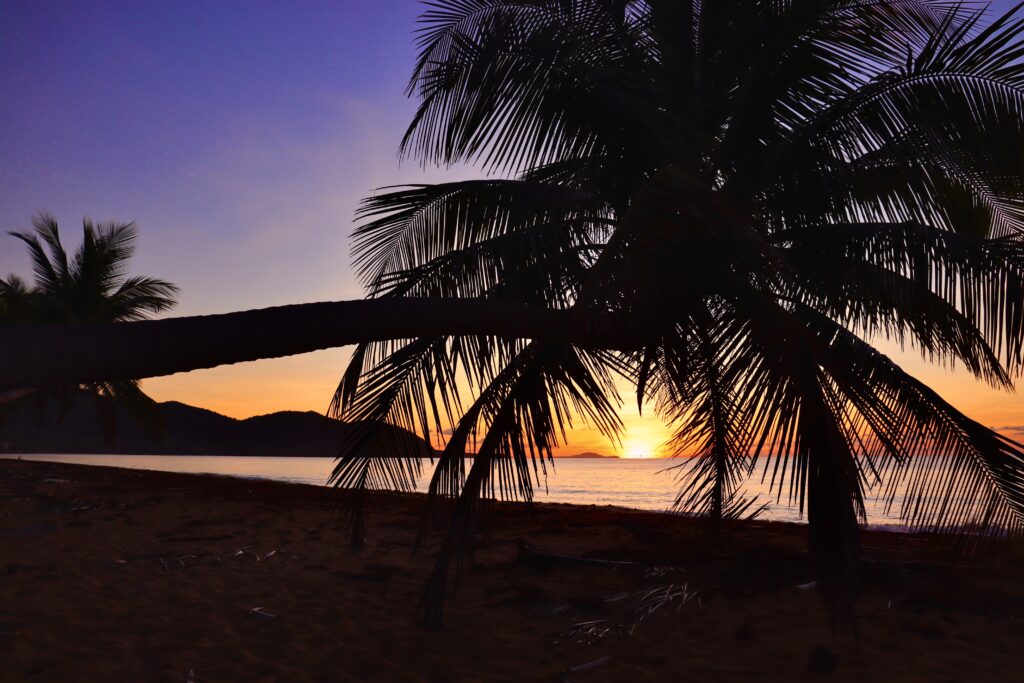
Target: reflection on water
(642,484)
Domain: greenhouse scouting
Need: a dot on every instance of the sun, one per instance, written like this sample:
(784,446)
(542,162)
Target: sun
(638,448)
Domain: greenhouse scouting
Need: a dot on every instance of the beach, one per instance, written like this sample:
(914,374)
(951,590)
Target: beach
(115,574)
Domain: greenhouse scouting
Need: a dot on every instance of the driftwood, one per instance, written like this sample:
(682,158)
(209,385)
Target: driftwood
(260,613)
(590,665)
(529,553)
(566,675)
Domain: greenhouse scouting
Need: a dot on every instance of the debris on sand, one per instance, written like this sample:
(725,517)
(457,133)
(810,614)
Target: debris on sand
(585,632)
(586,666)
(260,613)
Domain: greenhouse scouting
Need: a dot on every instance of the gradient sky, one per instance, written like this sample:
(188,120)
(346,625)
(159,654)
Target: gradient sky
(240,136)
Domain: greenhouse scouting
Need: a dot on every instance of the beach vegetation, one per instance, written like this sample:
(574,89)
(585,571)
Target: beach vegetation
(90,286)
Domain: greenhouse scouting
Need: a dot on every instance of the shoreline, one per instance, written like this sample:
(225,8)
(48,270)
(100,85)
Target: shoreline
(886,526)
(121,574)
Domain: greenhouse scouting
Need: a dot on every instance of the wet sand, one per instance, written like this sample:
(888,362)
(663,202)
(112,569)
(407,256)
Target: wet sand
(120,575)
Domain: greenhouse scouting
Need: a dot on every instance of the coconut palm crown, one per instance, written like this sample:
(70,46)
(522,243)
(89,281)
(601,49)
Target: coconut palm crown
(759,191)
(92,286)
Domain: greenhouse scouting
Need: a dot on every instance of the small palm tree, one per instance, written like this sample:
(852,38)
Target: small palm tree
(761,189)
(92,286)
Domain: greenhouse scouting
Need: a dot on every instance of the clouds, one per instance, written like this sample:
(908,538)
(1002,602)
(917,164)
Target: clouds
(1012,430)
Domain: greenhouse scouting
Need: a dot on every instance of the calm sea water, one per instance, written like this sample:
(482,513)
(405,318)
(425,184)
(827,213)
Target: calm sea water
(632,483)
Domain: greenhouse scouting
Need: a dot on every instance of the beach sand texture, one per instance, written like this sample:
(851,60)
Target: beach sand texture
(117,575)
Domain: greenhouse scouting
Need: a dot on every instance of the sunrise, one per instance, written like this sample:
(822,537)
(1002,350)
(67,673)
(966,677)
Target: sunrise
(511,340)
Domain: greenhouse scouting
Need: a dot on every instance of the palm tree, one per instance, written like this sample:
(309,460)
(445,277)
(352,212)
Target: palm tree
(90,287)
(725,203)
(762,190)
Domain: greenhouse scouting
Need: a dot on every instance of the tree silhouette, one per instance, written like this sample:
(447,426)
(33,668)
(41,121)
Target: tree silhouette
(727,203)
(762,189)
(90,287)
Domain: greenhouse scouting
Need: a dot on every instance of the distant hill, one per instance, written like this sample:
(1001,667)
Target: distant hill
(589,455)
(188,431)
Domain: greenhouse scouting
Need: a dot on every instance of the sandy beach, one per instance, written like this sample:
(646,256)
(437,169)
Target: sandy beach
(119,575)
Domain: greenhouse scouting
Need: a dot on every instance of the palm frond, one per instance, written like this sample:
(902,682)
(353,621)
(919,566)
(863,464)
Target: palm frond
(46,277)
(523,414)
(958,296)
(709,427)
(518,84)
(464,239)
(947,471)
(138,297)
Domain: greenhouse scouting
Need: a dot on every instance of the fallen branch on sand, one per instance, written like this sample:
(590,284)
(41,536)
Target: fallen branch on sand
(260,613)
(586,666)
(529,553)
(585,632)
(671,597)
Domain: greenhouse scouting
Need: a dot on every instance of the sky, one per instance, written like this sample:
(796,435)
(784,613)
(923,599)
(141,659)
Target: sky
(240,136)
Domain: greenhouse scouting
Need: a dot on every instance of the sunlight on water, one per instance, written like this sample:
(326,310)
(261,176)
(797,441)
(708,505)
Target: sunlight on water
(646,484)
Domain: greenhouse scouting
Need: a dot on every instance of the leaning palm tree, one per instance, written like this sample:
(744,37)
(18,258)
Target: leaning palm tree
(92,286)
(758,191)
(725,203)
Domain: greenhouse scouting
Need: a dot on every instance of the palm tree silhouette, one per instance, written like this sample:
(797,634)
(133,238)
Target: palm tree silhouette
(724,202)
(762,189)
(90,287)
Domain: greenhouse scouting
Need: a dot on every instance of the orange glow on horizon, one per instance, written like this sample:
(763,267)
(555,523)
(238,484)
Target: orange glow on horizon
(307,382)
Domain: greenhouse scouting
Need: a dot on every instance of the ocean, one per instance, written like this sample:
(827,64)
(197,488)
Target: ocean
(645,484)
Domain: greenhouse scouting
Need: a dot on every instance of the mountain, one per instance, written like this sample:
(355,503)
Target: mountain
(594,456)
(187,431)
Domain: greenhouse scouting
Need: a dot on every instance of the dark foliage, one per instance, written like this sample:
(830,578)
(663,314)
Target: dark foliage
(91,286)
(763,189)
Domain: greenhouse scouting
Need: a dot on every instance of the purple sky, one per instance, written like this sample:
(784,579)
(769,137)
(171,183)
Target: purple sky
(239,135)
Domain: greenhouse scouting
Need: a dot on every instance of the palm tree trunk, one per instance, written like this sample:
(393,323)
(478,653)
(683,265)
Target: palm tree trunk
(14,394)
(36,356)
